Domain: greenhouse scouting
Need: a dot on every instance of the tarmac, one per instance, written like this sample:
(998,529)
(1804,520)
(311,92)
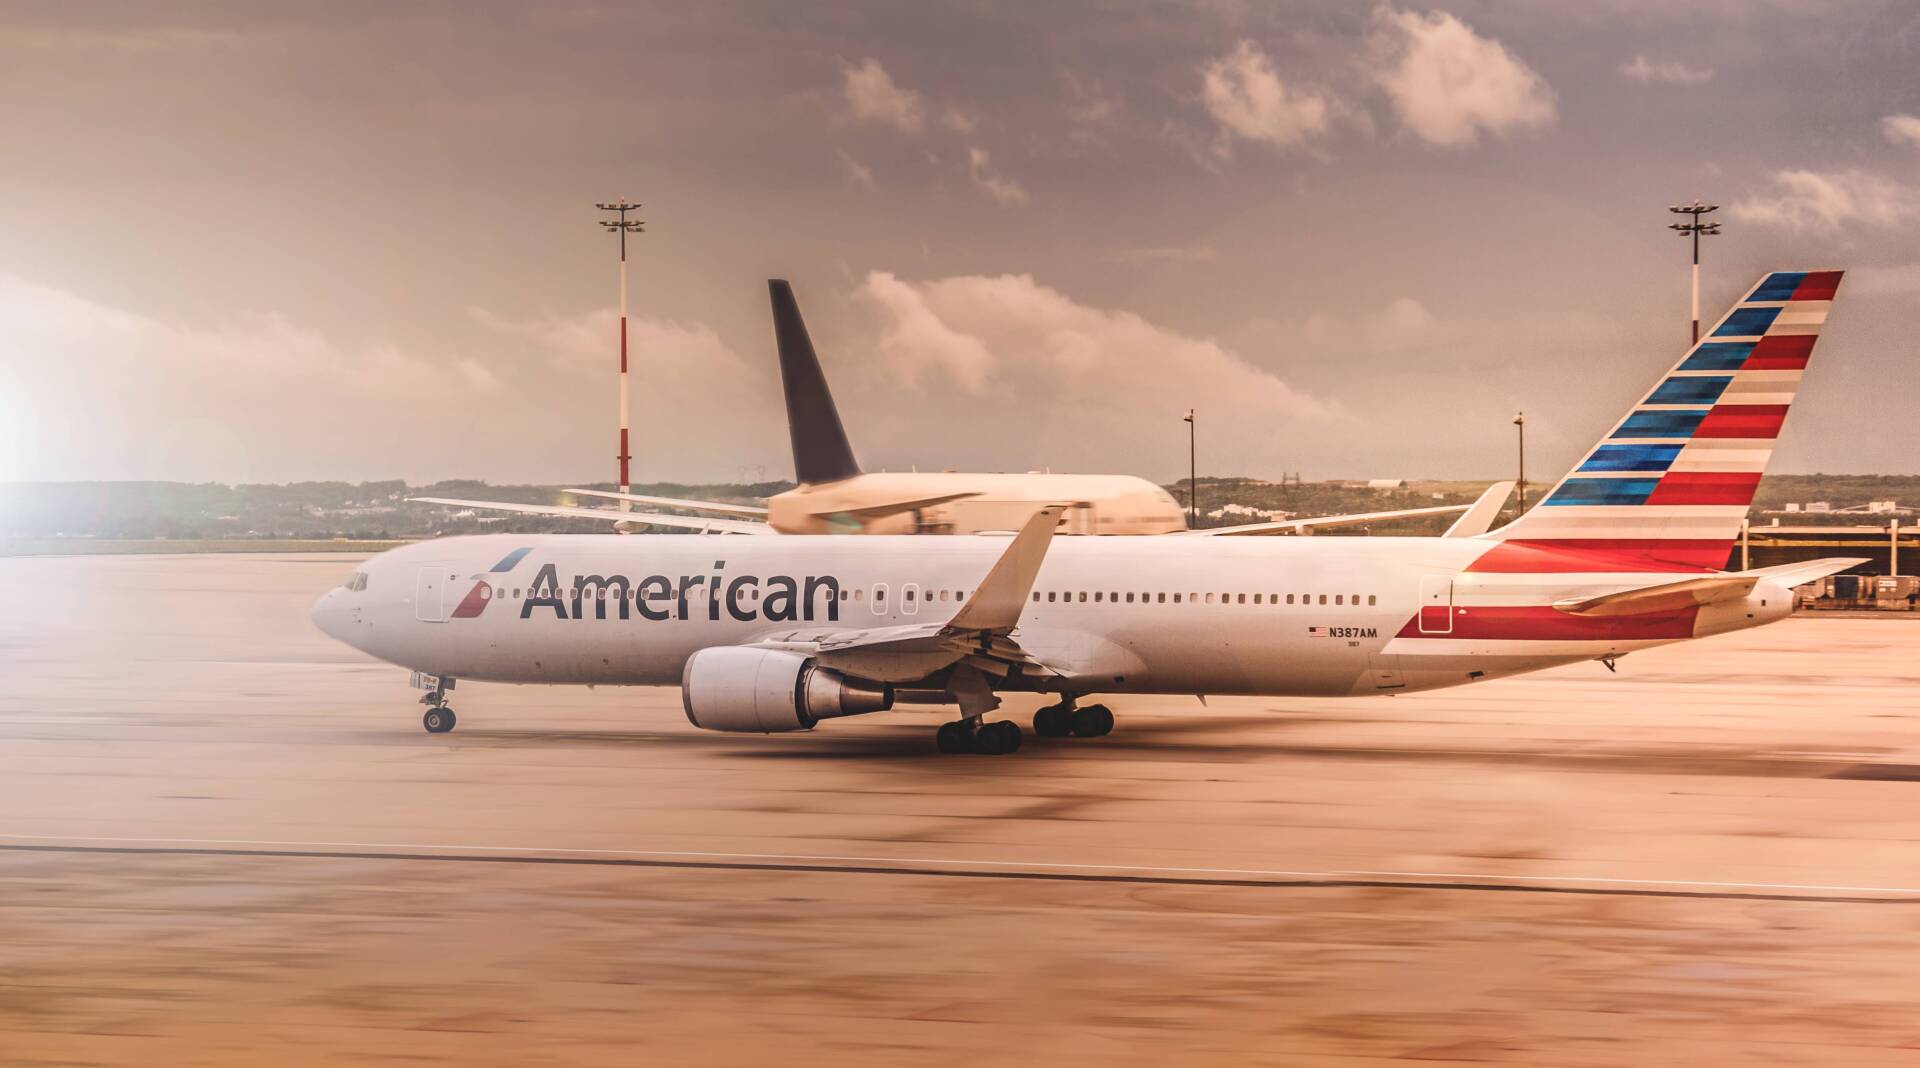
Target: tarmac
(225,840)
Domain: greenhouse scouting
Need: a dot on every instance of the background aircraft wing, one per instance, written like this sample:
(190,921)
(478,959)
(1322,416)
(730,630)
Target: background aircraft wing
(747,510)
(887,508)
(1288,526)
(687,522)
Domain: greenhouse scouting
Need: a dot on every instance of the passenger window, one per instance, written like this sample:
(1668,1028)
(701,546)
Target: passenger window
(1096,597)
(1256,598)
(909,598)
(1370,598)
(856,595)
(1289,598)
(1209,598)
(1356,599)
(1176,598)
(906,593)
(1323,598)
(1129,598)
(1083,597)
(880,598)
(1050,596)
(1339,598)
(1163,598)
(1243,598)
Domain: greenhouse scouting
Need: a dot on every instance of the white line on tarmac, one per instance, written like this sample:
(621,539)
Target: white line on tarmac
(951,862)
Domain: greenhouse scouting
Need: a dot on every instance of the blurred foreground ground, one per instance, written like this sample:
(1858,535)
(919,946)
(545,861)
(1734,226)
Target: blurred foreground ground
(227,841)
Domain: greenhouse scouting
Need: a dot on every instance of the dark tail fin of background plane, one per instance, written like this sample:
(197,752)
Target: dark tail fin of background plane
(820,449)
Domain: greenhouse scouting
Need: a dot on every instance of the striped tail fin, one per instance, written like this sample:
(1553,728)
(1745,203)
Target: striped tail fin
(1667,488)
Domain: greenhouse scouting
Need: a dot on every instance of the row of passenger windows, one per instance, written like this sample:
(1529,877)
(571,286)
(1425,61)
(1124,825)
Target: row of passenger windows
(1100,596)
(913,594)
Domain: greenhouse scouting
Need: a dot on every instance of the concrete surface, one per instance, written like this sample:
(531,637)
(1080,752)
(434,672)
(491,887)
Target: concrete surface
(225,840)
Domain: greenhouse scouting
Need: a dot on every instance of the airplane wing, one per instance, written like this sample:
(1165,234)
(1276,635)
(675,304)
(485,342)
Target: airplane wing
(746,510)
(705,525)
(979,634)
(1706,589)
(883,510)
(1479,518)
(1289,526)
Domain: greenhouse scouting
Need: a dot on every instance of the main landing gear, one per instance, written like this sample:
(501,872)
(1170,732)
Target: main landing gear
(1058,721)
(1004,736)
(971,736)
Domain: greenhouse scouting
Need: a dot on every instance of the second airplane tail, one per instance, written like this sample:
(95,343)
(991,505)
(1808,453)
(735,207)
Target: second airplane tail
(1667,488)
(821,452)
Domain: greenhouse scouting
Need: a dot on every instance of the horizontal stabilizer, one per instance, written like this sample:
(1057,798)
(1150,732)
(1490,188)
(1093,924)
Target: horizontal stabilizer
(1707,589)
(747,510)
(1479,519)
(1293,526)
(1665,597)
(1791,575)
(562,511)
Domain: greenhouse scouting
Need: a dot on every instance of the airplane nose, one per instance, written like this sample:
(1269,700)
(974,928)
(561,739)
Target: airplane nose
(330,615)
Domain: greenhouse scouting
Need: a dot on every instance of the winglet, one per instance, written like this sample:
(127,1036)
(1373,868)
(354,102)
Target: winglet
(1479,519)
(1002,595)
(821,452)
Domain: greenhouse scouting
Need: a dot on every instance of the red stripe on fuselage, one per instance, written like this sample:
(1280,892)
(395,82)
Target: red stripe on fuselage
(1780,352)
(1817,285)
(1563,556)
(1546,623)
(1705,487)
(475,601)
(1742,421)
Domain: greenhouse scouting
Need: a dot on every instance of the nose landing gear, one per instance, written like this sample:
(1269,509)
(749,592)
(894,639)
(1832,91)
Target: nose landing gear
(439,717)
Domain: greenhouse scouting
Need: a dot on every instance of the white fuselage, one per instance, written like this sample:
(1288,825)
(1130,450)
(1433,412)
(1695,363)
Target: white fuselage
(1277,616)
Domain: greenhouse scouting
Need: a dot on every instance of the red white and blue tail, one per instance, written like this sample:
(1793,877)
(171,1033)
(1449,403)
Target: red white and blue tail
(1667,489)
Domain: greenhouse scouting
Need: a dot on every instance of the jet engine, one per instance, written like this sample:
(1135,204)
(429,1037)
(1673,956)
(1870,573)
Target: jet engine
(761,691)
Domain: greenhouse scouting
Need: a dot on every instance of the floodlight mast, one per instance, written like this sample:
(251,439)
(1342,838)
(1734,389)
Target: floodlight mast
(623,226)
(1696,229)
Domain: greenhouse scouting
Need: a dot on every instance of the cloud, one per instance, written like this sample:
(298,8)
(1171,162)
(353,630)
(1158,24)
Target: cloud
(980,170)
(1803,200)
(1668,72)
(1246,97)
(1100,378)
(856,172)
(959,120)
(257,396)
(1898,128)
(1448,84)
(1883,281)
(873,97)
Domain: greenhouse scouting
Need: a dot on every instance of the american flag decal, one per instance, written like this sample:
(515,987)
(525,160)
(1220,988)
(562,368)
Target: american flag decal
(1317,632)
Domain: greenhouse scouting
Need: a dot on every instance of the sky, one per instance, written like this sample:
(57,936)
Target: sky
(252,242)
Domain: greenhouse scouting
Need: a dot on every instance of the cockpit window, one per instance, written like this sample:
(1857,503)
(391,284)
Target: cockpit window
(355,582)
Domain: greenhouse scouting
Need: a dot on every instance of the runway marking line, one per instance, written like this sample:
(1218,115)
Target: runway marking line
(958,866)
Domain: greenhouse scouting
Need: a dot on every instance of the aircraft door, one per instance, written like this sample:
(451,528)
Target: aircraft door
(1436,604)
(430,593)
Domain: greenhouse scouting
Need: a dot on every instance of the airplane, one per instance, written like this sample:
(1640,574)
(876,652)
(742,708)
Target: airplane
(835,496)
(772,635)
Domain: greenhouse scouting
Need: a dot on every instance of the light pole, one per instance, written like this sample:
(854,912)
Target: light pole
(1193,478)
(1696,229)
(623,226)
(1520,422)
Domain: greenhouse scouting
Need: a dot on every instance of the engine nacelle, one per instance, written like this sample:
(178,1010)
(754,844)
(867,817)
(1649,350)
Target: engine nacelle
(762,691)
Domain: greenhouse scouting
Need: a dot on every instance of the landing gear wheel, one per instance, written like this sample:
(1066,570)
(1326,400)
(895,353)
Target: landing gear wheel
(1093,721)
(994,739)
(1053,721)
(438,720)
(955,737)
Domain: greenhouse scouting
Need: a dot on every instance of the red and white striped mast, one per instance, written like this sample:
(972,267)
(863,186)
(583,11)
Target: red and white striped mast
(623,226)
